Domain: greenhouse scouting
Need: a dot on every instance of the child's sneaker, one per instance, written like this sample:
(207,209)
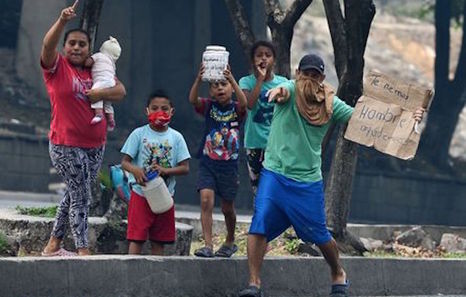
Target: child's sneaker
(96,119)
(110,122)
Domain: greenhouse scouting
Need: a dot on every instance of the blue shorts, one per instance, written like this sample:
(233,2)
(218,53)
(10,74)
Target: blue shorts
(282,202)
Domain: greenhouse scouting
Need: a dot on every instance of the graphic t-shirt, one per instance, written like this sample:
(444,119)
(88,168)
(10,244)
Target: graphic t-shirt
(257,126)
(294,145)
(146,146)
(71,111)
(221,136)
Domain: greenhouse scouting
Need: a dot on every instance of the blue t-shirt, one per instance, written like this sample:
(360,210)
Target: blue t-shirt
(257,126)
(146,146)
(221,136)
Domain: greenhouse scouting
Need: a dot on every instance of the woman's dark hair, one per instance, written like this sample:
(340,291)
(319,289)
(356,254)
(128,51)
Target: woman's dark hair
(264,43)
(77,30)
(160,94)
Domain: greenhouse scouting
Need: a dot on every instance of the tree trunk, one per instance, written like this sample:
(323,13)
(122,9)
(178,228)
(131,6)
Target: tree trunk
(241,25)
(282,40)
(89,22)
(349,37)
(448,101)
(90,18)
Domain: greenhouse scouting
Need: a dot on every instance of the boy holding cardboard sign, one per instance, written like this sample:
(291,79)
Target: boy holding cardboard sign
(290,191)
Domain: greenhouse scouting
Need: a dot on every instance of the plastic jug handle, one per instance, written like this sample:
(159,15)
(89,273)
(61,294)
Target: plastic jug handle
(152,174)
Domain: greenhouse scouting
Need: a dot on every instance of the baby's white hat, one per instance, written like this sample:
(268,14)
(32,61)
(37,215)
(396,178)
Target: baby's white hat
(111,47)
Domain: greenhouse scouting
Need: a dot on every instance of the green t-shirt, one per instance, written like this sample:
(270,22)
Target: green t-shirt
(257,126)
(294,145)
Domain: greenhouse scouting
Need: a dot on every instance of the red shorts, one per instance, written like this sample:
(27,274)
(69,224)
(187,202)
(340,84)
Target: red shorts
(143,223)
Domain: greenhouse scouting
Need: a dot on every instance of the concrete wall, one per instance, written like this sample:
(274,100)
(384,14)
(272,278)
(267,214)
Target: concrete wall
(36,19)
(125,276)
(25,163)
(408,199)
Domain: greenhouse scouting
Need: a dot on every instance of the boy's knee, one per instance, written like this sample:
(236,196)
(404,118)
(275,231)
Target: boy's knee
(228,209)
(206,204)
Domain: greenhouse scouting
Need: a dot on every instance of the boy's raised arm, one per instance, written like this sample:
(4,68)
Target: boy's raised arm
(193,93)
(243,101)
(253,96)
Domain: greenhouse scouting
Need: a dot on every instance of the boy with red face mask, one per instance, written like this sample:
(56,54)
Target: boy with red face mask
(153,147)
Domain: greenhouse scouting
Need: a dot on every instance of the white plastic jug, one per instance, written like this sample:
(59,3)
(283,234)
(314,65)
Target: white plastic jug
(215,60)
(157,194)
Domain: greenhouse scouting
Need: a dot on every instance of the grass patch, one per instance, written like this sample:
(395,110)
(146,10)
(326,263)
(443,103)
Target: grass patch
(46,212)
(285,245)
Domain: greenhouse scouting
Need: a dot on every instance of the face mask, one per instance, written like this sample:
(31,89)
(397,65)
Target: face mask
(159,119)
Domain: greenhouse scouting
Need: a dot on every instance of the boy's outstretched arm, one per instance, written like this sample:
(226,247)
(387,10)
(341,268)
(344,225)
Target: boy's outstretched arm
(279,95)
(243,101)
(193,94)
(138,172)
(181,168)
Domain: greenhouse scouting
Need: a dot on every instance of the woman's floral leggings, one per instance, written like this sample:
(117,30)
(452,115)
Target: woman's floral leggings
(78,167)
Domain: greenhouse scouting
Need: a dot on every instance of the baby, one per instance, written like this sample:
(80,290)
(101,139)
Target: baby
(103,76)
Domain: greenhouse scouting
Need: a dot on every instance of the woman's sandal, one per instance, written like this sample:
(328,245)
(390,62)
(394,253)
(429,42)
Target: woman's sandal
(60,253)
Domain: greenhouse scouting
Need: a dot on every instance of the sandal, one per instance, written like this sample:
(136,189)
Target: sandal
(251,291)
(60,253)
(204,252)
(340,290)
(226,251)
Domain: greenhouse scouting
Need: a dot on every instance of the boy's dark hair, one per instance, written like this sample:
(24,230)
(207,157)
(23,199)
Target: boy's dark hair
(80,31)
(158,93)
(264,43)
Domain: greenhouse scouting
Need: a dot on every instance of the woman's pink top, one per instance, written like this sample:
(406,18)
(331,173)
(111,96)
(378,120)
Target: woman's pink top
(71,111)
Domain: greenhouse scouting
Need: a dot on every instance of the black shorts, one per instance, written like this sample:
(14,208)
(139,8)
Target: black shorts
(223,180)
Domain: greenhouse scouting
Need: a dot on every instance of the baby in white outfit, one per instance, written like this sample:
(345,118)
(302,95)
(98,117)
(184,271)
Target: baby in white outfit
(103,76)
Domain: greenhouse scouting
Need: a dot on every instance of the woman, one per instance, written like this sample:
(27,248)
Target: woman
(76,148)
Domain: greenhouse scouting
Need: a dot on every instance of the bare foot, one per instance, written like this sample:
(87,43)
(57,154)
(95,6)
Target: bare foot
(84,252)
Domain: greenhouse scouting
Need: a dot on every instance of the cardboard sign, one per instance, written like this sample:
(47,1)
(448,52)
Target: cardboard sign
(383,116)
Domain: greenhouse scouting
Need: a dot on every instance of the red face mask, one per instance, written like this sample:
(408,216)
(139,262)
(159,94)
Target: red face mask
(159,119)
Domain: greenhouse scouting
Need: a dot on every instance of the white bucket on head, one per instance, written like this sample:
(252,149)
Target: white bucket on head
(157,195)
(215,60)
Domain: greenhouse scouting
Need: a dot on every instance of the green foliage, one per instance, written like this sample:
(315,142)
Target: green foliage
(47,212)
(3,243)
(454,255)
(292,245)
(457,13)
(104,179)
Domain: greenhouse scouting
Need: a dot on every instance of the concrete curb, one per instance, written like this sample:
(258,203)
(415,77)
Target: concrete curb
(31,234)
(142,276)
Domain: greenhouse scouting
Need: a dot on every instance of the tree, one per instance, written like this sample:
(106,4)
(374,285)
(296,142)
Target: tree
(90,18)
(281,23)
(450,94)
(349,37)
